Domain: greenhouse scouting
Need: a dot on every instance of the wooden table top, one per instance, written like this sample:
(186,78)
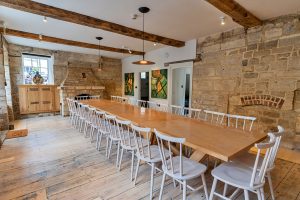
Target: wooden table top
(218,141)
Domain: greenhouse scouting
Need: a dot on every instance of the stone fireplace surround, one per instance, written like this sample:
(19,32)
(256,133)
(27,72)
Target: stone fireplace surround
(78,80)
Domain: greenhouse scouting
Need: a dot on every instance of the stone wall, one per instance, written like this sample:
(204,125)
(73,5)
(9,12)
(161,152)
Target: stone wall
(110,76)
(262,64)
(3,103)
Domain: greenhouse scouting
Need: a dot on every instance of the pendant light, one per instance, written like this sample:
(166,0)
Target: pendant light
(143,10)
(99,53)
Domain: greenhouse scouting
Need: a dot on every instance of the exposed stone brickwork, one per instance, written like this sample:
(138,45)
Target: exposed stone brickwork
(263,62)
(110,77)
(3,102)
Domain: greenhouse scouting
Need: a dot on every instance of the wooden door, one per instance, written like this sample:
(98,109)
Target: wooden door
(46,98)
(33,99)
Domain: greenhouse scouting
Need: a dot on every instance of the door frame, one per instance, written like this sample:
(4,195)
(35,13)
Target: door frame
(177,66)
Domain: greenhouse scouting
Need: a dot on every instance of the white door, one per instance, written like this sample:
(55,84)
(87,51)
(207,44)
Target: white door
(178,86)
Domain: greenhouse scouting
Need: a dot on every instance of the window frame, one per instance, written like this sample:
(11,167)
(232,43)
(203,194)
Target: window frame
(50,78)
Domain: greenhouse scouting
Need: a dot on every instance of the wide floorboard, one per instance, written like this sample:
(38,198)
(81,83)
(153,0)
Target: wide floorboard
(55,161)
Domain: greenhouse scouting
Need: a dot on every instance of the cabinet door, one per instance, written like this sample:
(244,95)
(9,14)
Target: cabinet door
(33,99)
(46,98)
(23,100)
(57,99)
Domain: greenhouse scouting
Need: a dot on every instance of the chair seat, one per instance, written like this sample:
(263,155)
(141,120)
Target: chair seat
(191,168)
(235,174)
(155,155)
(249,159)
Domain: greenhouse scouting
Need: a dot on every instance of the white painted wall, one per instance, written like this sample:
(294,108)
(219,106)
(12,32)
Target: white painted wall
(159,56)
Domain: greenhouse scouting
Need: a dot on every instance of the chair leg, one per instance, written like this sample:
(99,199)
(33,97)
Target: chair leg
(225,189)
(213,188)
(107,145)
(262,193)
(121,157)
(270,185)
(136,170)
(162,186)
(118,151)
(151,181)
(258,194)
(109,148)
(100,139)
(132,162)
(184,190)
(97,140)
(246,194)
(92,133)
(204,185)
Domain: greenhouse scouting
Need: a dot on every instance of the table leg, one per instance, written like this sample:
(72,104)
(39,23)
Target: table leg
(198,156)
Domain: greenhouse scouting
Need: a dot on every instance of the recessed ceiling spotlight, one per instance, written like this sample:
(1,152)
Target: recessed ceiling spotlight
(222,20)
(45,19)
(154,44)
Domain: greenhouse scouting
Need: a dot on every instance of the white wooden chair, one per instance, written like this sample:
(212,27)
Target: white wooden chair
(179,167)
(152,105)
(113,136)
(162,107)
(113,98)
(214,117)
(142,103)
(127,142)
(122,99)
(89,116)
(249,158)
(243,177)
(239,121)
(102,129)
(83,109)
(132,101)
(147,153)
(192,113)
(177,110)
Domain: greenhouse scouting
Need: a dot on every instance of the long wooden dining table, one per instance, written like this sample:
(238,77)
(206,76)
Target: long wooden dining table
(206,139)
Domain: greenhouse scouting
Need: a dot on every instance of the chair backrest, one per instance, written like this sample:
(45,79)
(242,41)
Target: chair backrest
(90,115)
(278,136)
(110,122)
(132,101)
(100,120)
(167,162)
(239,121)
(214,117)
(122,99)
(177,110)
(142,103)
(127,138)
(162,107)
(259,170)
(152,105)
(113,98)
(192,113)
(143,150)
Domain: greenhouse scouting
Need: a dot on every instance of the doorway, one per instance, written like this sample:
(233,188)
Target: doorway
(144,89)
(181,86)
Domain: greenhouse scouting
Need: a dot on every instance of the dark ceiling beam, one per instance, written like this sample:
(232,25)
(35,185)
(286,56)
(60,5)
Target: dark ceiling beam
(45,38)
(238,13)
(77,18)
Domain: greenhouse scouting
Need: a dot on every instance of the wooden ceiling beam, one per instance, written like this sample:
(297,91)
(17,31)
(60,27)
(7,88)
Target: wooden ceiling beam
(45,38)
(77,18)
(238,13)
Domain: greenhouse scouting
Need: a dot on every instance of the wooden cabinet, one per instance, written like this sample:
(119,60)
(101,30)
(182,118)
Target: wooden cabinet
(38,98)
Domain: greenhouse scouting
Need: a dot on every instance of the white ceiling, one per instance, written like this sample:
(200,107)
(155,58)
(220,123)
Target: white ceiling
(177,19)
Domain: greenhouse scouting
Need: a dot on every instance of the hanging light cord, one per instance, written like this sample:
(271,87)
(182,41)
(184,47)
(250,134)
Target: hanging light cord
(143,36)
(99,55)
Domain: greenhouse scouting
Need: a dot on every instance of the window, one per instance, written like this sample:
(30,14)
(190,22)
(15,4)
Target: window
(37,63)
(143,75)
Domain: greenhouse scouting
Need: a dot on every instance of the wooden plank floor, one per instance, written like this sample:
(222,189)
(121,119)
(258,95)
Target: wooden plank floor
(56,162)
